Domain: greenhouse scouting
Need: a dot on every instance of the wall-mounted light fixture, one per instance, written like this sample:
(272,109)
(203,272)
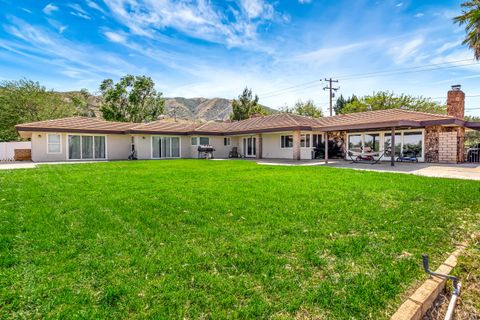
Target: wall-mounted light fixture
(39,135)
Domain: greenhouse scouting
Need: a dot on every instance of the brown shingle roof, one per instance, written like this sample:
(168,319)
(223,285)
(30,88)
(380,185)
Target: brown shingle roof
(272,123)
(77,124)
(164,126)
(383,118)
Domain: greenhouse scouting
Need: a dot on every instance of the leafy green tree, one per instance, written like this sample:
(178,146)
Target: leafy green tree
(388,100)
(132,99)
(305,109)
(342,102)
(81,101)
(246,106)
(27,101)
(470,17)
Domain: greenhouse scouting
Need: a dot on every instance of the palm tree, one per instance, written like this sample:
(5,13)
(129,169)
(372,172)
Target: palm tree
(471,19)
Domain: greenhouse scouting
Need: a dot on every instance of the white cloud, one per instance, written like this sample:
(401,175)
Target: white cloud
(305,1)
(403,51)
(196,18)
(115,37)
(398,5)
(57,25)
(80,15)
(95,6)
(79,11)
(257,9)
(26,10)
(37,43)
(49,8)
(419,15)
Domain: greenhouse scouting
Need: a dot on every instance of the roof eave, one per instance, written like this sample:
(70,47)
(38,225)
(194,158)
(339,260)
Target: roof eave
(39,129)
(376,125)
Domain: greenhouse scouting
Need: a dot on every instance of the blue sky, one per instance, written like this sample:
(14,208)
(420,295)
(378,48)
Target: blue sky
(216,48)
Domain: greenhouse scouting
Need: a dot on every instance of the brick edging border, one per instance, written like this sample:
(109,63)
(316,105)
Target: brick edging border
(415,307)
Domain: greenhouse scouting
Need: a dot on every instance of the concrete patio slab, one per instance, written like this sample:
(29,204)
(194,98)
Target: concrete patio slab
(455,171)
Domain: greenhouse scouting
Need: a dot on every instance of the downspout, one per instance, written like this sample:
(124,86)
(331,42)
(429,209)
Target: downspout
(456,287)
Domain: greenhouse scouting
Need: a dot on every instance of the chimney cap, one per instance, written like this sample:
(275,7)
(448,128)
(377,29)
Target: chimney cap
(456,87)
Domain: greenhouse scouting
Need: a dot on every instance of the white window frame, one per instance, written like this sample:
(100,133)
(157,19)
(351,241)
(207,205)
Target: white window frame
(227,141)
(90,135)
(382,135)
(199,138)
(196,141)
(304,135)
(281,138)
(49,143)
(166,136)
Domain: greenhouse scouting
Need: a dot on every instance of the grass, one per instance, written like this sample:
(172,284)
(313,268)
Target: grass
(220,239)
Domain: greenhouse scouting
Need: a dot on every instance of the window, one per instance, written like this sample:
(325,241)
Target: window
(388,143)
(305,141)
(165,147)
(355,142)
(412,143)
(86,147)
(54,143)
(286,141)
(317,140)
(194,141)
(204,141)
(226,141)
(371,142)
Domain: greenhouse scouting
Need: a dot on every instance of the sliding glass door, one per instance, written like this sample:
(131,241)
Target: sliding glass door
(165,147)
(85,147)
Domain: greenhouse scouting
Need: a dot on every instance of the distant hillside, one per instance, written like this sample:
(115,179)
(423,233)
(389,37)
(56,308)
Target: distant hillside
(202,109)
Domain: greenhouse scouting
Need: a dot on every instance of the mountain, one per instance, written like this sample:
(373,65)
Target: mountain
(201,109)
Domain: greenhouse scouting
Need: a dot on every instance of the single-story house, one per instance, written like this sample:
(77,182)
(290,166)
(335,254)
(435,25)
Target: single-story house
(436,138)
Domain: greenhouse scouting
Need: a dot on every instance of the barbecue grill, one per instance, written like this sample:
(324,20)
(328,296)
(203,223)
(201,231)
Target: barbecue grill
(205,152)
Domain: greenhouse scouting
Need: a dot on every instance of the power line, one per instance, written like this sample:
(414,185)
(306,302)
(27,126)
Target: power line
(289,91)
(405,69)
(295,86)
(422,68)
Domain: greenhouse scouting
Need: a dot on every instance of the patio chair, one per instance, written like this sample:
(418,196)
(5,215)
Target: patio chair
(234,153)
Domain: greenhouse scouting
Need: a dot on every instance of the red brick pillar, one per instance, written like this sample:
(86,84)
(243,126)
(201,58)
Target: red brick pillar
(296,145)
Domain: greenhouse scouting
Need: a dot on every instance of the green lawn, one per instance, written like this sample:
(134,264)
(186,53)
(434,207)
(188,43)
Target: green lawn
(220,239)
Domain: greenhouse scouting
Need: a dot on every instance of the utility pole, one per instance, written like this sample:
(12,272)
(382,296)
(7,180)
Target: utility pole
(332,93)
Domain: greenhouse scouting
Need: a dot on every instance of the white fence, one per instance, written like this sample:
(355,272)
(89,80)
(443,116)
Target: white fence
(7,149)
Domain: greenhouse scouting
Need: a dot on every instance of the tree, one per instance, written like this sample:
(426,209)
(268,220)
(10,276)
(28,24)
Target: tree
(246,106)
(81,101)
(342,102)
(470,17)
(388,100)
(305,109)
(27,101)
(132,99)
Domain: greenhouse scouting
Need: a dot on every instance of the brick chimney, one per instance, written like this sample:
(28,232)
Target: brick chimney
(456,102)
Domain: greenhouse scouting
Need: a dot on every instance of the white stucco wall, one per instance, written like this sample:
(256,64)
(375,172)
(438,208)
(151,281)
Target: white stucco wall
(272,147)
(39,147)
(117,147)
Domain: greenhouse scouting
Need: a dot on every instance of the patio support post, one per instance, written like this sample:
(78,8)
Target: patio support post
(296,145)
(258,146)
(392,148)
(325,138)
